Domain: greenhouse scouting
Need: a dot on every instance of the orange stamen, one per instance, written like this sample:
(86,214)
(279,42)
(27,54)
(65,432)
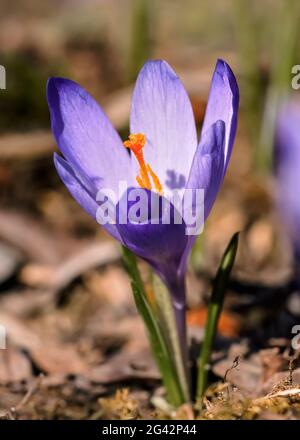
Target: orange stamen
(157,185)
(136,143)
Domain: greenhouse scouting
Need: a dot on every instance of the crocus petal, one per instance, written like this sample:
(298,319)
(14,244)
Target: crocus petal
(287,164)
(85,136)
(208,164)
(222,105)
(82,195)
(157,239)
(216,141)
(206,174)
(162,111)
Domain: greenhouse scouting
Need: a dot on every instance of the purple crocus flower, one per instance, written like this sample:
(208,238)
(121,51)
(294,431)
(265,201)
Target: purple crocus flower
(165,155)
(287,167)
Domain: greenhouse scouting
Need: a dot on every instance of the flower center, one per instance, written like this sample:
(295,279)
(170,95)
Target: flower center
(146,176)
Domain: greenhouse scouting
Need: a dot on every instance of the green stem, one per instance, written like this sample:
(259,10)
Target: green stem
(214,310)
(159,345)
(174,333)
(140,41)
(249,59)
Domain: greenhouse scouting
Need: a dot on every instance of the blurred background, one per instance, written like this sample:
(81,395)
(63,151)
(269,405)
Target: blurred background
(65,300)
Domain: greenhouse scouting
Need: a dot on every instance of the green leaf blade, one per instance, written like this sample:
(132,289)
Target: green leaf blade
(214,311)
(158,344)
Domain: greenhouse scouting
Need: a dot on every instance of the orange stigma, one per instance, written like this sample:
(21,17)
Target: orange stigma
(136,143)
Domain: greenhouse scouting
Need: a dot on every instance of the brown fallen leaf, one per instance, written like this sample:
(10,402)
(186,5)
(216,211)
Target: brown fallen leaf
(10,260)
(48,355)
(26,146)
(27,304)
(124,367)
(273,361)
(28,236)
(55,359)
(129,333)
(279,378)
(247,377)
(60,276)
(111,285)
(14,365)
(260,240)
